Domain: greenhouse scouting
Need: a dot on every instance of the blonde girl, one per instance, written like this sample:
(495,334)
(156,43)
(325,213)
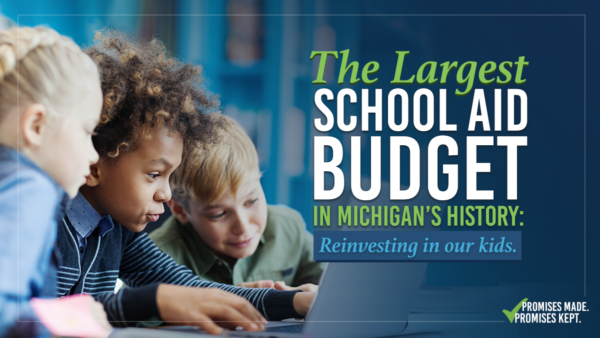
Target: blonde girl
(50,102)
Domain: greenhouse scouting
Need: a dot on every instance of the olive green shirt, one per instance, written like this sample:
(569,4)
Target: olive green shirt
(285,251)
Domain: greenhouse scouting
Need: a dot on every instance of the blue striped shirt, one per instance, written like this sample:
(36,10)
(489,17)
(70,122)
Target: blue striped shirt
(133,257)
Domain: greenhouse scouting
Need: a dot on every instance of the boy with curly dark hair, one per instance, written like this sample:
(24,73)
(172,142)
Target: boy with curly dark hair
(155,108)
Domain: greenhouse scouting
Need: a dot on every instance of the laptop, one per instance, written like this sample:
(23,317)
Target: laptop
(355,300)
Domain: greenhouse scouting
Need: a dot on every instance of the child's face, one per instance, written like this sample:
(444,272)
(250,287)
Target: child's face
(132,189)
(66,151)
(232,226)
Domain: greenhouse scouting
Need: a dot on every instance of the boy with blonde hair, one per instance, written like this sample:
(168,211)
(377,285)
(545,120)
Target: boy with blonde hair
(222,227)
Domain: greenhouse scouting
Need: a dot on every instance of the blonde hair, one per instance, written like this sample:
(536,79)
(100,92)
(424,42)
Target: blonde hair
(206,173)
(38,65)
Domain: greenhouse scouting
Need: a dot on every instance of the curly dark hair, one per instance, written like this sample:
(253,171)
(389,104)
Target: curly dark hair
(144,87)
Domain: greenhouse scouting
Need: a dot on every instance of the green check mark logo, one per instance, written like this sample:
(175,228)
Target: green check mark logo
(511,314)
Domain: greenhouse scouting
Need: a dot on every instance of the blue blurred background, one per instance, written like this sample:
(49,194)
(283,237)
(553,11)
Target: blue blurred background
(259,65)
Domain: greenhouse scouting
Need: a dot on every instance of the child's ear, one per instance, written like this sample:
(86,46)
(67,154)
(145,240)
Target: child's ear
(178,211)
(33,124)
(93,179)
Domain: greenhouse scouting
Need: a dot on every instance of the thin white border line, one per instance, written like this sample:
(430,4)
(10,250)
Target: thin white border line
(312,15)
(382,15)
(584,157)
(18,177)
(306,321)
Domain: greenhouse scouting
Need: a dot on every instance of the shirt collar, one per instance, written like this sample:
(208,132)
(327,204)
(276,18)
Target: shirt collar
(206,258)
(85,218)
(11,154)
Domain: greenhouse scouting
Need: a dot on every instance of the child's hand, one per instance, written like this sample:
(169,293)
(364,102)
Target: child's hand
(303,301)
(99,315)
(258,284)
(203,307)
(72,316)
(308,287)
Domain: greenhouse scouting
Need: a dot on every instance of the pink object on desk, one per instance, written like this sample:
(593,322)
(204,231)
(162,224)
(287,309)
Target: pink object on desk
(69,316)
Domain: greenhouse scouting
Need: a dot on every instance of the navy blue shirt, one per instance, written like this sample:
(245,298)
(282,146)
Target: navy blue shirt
(117,252)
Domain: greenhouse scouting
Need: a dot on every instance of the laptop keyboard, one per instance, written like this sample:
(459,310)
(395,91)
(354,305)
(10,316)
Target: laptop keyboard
(296,328)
